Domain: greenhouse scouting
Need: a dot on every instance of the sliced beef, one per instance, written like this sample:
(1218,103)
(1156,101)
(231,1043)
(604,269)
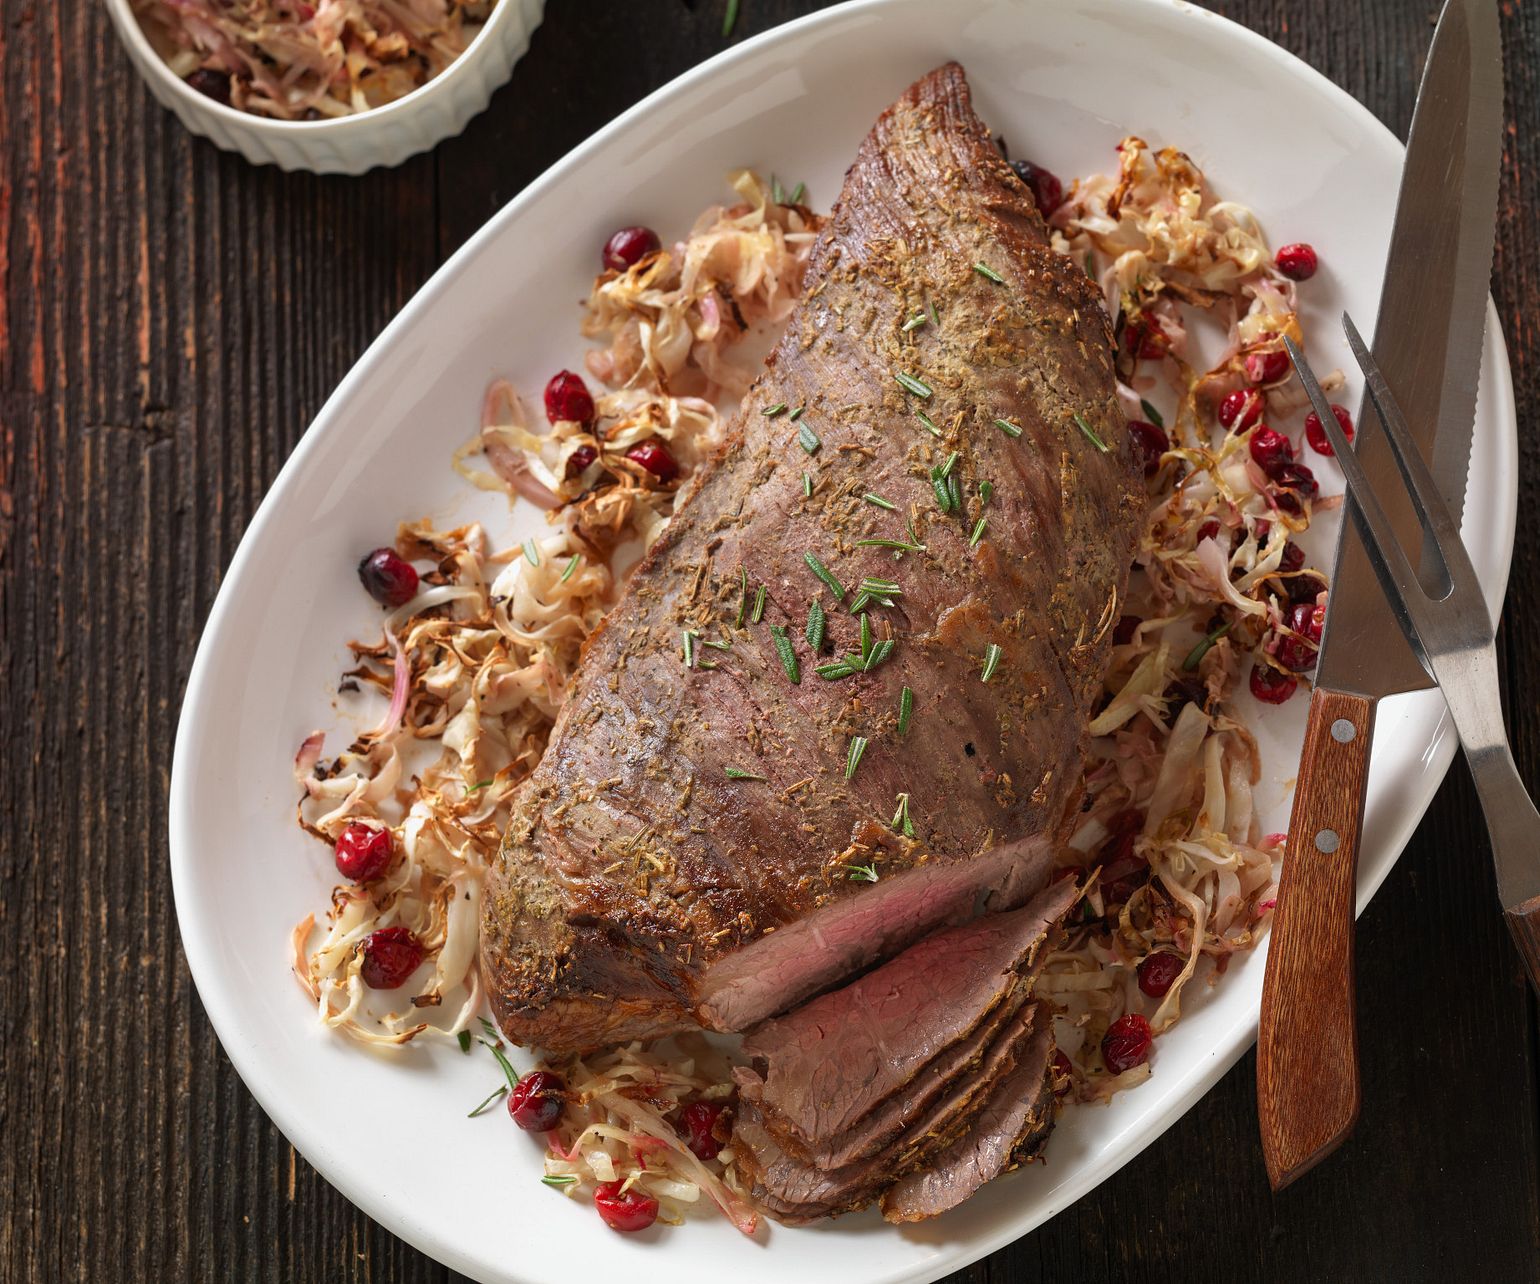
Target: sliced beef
(639,889)
(889,1043)
(1011,1128)
(797,1190)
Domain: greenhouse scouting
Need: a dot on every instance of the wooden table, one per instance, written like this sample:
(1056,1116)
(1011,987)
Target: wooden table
(170,321)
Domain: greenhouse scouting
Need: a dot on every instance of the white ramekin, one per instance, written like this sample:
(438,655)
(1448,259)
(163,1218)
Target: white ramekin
(350,144)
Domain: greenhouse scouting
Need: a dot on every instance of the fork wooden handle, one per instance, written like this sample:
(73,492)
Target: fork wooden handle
(1307,1041)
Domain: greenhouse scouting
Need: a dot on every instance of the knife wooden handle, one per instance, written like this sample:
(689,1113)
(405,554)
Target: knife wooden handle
(1524,922)
(1307,1042)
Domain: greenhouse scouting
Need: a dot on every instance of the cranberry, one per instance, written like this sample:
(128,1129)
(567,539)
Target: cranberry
(1143,337)
(388,578)
(1240,409)
(1123,630)
(580,459)
(363,852)
(1123,869)
(632,1211)
(1271,450)
(1157,972)
(1315,430)
(537,1100)
(1298,479)
(1307,621)
(1127,1043)
(1047,191)
(1063,1073)
(1151,442)
(630,246)
(567,399)
(1267,367)
(211,83)
(1306,588)
(1297,262)
(653,455)
(697,1122)
(1209,530)
(1271,686)
(1293,558)
(390,956)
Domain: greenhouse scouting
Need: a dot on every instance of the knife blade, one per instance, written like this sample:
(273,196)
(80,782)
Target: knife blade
(1428,342)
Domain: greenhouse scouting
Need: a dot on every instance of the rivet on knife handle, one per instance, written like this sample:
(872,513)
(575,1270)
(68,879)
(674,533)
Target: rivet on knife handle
(1307,1042)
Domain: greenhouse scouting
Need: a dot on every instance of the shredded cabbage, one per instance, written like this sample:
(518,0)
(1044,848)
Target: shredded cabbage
(310,59)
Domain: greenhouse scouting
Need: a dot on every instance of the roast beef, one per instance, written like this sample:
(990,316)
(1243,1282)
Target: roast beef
(899,1034)
(640,889)
(1010,1129)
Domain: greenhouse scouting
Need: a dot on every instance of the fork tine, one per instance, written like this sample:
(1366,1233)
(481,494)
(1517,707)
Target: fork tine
(1394,572)
(1432,512)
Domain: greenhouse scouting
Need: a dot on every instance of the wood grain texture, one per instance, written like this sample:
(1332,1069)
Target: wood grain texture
(171,319)
(1307,1039)
(1524,925)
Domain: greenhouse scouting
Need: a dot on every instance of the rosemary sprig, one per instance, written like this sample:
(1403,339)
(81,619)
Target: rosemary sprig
(983,269)
(788,656)
(1190,664)
(910,384)
(826,575)
(571,566)
(816,623)
(1151,413)
(1008,428)
(861,873)
(1090,433)
(873,590)
(502,1091)
(905,710)
(903,546)
(991,661)
(901,822)
(853,758)
(531,552)
(914,322)
(509,1073)
(930,424)
(737,773)
(879,502)
(758,613)
(809,440)
(770,412)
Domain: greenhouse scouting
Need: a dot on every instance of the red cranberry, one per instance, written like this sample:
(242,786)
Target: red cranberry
(629,246)
(1123,870)
(1295,651)
(1293,558)
(1306,588)
(1267,367)
(696,1124)
(1063,1073)
(537,1100)
(1143,337)
(1297,262)
(363,852)
(567,399)
(1271,686)
(211,83)
(632,1211)
(1271,450)
(1158,972)
(1240,409)
(390,956)
(1315,430)
(1300,481)
(653,455)
(388,578)
(1047,191)
(580,459)
(1127,1043)
(1151,442)
(1123,630)
(1209,530)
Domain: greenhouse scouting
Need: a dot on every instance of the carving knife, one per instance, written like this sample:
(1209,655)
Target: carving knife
(1427,342)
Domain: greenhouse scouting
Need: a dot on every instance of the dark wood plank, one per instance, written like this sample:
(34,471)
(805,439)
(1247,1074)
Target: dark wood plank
(170,319)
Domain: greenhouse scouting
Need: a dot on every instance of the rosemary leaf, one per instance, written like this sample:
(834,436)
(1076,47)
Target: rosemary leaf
(991,661)
(509,1072)
(1008,428)
(809,440)
(730,18)
(1090,433)
(1190,664)
(758,613)
(816,623)
(905,710)
(1151,413)
(795,414)
(951,463)
(833,672)
(502,1091)
(797,193)
(689,647)
(914,322)
(571,566)
(853,759)
(910,384)
(531,552)
(983,269)
(879,502)
(986,492)
(930,424)
(770,412)
(558,1180)
(464,1040)
(880,652)
(861,873)
(826,575)
(807,485)
(737,773)
(743,598)
(978,532)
